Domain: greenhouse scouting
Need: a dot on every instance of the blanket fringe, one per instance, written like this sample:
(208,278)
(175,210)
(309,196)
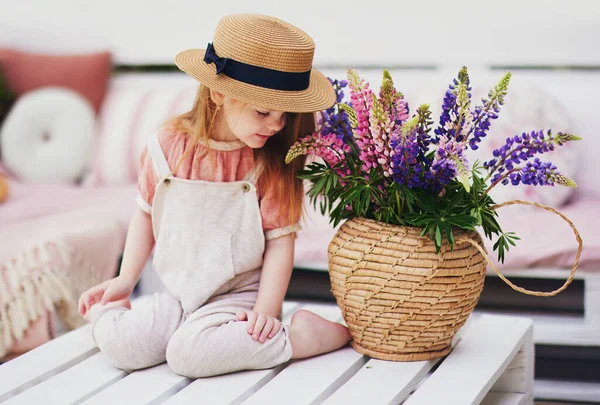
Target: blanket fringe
(33,283)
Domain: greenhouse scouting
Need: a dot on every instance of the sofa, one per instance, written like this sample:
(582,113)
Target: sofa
(90,212)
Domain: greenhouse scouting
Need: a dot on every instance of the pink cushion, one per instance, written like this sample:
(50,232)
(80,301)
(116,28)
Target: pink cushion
(547,240)
(86,74)
(130,114)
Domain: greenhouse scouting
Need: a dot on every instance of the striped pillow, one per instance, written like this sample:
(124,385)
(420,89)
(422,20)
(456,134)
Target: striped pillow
(128,116)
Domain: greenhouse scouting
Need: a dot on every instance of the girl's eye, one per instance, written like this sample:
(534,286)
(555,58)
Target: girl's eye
(262,114)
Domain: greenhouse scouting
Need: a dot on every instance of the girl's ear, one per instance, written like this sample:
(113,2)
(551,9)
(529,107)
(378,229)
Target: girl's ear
(216,97)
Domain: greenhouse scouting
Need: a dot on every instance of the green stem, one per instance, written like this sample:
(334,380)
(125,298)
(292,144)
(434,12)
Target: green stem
(500,179)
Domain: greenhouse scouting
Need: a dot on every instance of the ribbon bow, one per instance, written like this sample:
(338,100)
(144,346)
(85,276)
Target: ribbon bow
(211,57)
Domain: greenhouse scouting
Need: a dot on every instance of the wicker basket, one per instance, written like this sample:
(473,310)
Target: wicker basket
(400,299)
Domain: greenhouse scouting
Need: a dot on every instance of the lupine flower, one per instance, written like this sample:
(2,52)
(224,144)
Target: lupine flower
(361,99)
(455,110)
(392,100)
(381,127)
(328,147)
(463,101)
(423,133)
(521,148)
(405,149)
(392,167)
(449,161)
(489,110)
(335,120)
(539,173)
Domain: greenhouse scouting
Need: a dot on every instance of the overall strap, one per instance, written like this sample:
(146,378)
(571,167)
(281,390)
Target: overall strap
(158,158)
(255,171)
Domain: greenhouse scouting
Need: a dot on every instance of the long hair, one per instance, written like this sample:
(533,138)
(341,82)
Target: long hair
(199,124)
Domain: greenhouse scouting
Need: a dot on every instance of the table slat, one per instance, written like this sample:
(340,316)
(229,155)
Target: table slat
(391,381)
(141,387)
(43,362)
(307,380)
(74,384)
(224,389)
(474,365)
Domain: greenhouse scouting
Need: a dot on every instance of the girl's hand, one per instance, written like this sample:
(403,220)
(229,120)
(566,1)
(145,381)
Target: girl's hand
(260,326)
(115,289)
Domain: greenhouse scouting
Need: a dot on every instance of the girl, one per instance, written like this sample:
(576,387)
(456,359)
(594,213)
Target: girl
(222,208)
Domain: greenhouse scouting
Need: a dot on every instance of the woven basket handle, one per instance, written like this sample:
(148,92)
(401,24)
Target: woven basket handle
(520,289)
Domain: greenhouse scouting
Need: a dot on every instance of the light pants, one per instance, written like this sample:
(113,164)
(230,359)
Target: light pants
(206,342)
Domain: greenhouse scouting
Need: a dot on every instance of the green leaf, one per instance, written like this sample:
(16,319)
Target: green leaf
(502,244)
(438,236)
(450,237)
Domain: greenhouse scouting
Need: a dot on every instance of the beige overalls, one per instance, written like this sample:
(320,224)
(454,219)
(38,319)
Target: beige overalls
(208,253)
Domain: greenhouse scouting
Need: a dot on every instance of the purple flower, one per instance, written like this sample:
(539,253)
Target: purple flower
(423,133)
(449,162)
(392,100)
(335,120)
(538,173)
(521,148)
(449,114)
(405,149)
(455,118)
(488,111)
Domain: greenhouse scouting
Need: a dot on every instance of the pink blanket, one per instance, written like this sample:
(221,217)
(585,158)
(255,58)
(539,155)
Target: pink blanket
(56,241)
(28,201)
(47,262)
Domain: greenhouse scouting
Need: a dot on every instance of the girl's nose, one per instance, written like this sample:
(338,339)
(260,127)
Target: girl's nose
(276,125)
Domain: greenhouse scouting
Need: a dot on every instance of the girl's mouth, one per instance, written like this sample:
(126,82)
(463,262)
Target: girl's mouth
(262,137)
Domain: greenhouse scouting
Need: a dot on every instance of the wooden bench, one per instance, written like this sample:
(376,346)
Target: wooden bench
(491,363)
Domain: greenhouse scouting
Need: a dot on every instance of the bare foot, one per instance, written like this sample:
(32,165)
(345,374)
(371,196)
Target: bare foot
(95,310)
(311,335)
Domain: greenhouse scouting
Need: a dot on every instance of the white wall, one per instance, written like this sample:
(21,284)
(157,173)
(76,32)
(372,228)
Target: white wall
(359,33)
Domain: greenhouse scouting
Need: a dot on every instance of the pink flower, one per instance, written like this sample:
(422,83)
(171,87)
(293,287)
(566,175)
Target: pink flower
(328,147)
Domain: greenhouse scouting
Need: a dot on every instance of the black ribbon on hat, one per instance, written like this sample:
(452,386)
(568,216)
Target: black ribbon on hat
(257,75)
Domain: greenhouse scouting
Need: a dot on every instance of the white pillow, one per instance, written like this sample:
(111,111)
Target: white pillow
(47,135)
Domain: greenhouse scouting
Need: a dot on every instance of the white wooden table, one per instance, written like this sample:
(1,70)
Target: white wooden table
(491,363)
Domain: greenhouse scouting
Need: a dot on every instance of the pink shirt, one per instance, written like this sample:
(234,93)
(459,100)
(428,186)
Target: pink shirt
(232,161)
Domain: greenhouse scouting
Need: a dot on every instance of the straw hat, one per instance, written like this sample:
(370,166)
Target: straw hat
(263,61)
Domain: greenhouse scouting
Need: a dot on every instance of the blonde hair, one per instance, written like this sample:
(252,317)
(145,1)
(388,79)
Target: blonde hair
(199,124)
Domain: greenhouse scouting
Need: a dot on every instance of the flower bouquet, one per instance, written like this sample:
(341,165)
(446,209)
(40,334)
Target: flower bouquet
(407,265)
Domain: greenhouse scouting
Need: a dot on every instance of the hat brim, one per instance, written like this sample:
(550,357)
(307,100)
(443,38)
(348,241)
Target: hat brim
(319,95)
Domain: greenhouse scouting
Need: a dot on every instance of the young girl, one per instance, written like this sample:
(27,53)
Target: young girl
(221,208)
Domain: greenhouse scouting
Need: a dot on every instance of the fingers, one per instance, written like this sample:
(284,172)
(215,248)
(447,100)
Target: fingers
(108,295)
(276,327)
(261,320)
(266,329)
(90,297)
(252,316)
(261,327)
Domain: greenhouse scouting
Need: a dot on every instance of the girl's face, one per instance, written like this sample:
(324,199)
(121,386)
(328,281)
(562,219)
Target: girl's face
(250,124)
